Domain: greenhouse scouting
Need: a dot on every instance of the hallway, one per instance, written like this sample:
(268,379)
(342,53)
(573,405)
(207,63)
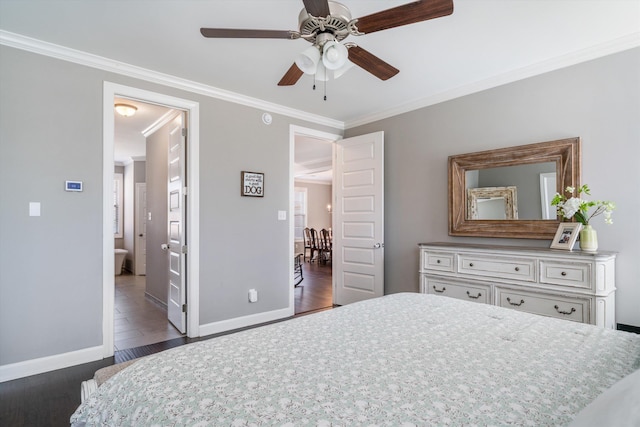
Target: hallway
(138,320)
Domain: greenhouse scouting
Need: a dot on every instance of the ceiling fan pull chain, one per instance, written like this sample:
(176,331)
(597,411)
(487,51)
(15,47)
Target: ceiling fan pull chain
(325,90)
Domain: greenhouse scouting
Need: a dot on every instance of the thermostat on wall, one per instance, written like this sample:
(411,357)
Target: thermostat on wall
(73,185)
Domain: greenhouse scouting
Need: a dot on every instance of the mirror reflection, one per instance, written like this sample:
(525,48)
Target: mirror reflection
(531,189)
(550,166)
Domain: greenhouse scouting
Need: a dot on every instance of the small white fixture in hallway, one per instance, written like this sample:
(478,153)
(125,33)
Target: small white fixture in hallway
(120,255)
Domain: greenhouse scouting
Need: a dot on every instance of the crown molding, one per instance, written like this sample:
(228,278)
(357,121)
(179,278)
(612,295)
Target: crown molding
(19,41)
(40,47)
(163,120)
(309,181)
(608,48)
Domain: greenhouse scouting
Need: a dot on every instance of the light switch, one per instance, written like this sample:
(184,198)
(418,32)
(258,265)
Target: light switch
(282,215)
(34,208)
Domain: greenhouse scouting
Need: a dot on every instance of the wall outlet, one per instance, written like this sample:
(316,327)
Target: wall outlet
(34,208)
(253,295)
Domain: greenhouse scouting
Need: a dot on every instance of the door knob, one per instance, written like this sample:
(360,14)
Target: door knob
(378,246)
(164,246)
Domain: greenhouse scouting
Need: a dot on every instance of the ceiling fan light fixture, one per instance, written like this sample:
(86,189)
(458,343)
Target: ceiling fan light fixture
(322,73)
(126,110)
(308,60)
(340,71)
(334,55)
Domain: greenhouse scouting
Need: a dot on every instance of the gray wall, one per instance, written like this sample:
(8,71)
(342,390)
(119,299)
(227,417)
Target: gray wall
(598,101)
(134,172)
(51,266)
(318,197)
(157,154)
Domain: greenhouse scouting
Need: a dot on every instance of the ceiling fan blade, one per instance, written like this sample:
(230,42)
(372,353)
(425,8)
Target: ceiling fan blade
(231,33)
(291,77)
(406,14)
(317,8)
(371,63)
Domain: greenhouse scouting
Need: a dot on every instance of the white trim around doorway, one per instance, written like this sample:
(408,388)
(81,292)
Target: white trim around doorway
(110,91)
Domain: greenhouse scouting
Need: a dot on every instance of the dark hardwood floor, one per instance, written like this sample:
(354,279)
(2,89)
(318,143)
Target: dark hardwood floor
(49,399)
(315,291)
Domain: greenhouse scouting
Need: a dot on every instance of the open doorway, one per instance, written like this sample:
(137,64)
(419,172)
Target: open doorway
(140,190)
(189,263)
(312,217)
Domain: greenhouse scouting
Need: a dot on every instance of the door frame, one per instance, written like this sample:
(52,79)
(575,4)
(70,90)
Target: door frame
(110,92)
(294,131)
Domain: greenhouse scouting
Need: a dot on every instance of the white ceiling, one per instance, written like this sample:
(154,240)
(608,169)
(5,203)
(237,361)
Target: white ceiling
(483,44)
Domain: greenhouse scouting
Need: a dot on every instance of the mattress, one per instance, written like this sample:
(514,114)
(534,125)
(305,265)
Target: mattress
(403,359)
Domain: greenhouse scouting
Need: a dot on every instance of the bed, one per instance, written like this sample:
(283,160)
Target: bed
(403,359)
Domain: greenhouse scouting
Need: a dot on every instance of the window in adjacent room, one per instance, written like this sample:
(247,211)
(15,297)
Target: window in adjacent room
(117,205)
(299,212)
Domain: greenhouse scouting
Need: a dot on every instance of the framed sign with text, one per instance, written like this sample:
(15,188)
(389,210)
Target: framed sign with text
(252,184)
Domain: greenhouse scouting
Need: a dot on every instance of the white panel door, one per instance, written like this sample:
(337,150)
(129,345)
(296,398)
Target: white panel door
(176,248)
(141,229)
(358,258)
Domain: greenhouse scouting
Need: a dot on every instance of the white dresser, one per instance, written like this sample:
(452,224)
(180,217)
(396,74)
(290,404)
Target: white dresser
(576,286)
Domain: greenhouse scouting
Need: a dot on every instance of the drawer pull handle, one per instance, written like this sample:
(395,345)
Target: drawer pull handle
(470,264)
(439,290)
(515,303)
(573,309)
(564,273)
(471,296)
(517,268)
(437,261)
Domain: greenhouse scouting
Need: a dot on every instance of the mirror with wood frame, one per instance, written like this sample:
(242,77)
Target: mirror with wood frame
(464,170)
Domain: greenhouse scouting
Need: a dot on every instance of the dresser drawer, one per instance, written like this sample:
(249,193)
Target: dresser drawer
(575,309)
(469,292)
(575,275)
(498,267)
(438,261)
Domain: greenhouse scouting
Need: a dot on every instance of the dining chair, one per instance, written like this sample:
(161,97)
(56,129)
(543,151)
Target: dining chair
(316,249)
(308,244)
(297,270)
(326,245)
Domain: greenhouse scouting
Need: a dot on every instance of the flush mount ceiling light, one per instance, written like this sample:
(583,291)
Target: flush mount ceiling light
(126,110)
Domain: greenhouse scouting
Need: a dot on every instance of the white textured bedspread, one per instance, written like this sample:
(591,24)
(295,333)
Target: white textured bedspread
(401,360)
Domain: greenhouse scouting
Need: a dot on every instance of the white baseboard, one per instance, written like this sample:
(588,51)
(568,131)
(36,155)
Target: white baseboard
(241,322)
(156,300)
(50,363)
(59,361)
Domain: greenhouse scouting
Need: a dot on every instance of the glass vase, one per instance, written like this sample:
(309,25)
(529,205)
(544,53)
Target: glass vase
(588,239)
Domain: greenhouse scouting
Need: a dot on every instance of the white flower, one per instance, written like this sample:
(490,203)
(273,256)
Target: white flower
(571,206)
(578,209)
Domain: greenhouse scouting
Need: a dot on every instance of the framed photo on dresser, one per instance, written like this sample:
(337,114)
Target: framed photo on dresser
(566,235)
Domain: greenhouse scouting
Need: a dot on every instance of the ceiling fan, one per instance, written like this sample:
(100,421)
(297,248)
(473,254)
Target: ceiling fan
(325,23)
